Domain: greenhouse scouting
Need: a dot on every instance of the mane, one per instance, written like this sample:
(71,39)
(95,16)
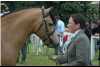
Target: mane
(19,11)
(17,14)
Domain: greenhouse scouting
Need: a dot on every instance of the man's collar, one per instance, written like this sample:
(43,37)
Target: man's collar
(76,32)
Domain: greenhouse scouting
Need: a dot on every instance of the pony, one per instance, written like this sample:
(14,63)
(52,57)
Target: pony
(17,26)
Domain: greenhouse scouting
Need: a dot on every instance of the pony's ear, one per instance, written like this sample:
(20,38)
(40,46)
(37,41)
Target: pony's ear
(43,7)
(48,10)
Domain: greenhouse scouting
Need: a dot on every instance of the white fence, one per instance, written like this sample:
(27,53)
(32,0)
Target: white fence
(93,45)
(37,46)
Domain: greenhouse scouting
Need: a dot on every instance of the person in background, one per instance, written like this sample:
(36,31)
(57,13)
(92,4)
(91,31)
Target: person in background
(23,52)
(96,28)
(88,29)
(59,28)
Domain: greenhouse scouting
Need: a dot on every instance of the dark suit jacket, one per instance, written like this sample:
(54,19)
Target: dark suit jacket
(78,53)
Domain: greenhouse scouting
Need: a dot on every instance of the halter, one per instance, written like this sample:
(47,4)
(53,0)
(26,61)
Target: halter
(46,28)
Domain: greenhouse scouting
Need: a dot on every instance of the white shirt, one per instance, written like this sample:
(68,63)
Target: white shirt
(60,26)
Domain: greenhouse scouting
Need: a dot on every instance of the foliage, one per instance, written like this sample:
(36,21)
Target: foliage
(62,8)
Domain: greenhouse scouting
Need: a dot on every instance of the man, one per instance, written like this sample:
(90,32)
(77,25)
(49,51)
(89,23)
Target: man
(78,50)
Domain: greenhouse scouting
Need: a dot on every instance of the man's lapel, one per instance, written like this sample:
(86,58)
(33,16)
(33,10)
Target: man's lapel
(75,41)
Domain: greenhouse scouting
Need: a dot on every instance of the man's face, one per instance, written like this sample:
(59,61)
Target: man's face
(72,26)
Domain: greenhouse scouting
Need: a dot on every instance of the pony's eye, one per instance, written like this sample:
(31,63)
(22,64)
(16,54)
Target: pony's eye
(50,24)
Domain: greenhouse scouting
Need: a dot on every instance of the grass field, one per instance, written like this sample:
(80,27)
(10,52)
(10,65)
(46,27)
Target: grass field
(95,61)
(37,61)
(43,60)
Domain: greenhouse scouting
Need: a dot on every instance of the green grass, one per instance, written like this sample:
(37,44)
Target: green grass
(95,61)
(41,60)
(38,61)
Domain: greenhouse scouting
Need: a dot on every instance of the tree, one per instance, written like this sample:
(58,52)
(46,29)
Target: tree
(62,8)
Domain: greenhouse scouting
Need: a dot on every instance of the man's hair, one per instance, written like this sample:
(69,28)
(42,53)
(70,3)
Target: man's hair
(79,19)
